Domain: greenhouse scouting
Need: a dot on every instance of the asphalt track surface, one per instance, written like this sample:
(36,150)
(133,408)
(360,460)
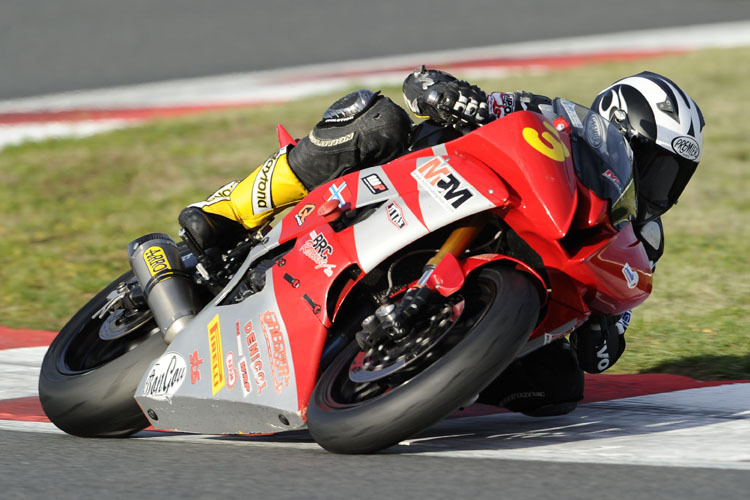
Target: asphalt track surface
(54,46)
(49,46)
(57,466)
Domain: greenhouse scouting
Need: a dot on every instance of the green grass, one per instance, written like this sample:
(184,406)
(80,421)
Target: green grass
(70,207)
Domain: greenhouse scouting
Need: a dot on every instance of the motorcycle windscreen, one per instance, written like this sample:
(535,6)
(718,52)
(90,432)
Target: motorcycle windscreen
(602,159)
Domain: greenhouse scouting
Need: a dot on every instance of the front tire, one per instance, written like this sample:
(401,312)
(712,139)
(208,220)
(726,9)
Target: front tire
(86,384)
(502,307)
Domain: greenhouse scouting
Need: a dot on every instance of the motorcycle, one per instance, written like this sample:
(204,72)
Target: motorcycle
(378,305)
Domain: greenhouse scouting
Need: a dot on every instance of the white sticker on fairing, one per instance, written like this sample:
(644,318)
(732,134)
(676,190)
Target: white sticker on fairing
(166,376)
(374,183)
(443,183)
(318,249)
(631,277)
(572,115)
(395,214)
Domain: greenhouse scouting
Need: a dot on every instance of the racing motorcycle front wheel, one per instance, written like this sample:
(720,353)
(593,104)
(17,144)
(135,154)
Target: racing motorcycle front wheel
(486,324)
(86,383)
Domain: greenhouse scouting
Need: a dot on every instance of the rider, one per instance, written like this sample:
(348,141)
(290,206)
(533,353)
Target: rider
(662,124)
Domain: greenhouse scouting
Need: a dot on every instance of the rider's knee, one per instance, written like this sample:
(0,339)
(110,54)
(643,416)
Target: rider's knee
(359,130)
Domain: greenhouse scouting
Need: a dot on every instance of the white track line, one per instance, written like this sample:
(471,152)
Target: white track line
(703,428)
(19,371)
(706,427)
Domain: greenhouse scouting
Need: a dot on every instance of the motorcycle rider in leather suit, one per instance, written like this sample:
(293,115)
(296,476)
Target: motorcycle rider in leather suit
(662,124)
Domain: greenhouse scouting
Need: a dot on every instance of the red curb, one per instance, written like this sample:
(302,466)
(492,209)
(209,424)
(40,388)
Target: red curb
(605,387)
(509,63)
(598,388)
(135,114)
(608,387)
(13,339)
(27,409)
(601,387)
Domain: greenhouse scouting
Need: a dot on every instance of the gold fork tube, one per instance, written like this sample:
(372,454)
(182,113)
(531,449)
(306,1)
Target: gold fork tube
(460,239)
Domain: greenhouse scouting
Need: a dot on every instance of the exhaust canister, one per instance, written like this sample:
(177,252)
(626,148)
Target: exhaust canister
(169,289)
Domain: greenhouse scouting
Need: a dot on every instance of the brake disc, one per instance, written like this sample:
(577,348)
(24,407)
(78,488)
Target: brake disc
(389,357)
(120,323)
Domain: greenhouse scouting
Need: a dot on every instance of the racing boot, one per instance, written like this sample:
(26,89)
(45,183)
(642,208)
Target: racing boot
(543,383)
(213,225)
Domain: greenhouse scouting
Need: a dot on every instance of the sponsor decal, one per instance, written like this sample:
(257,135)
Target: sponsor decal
(336,193)
(255,361)
(687,147)
(631,277)
(277,351)
(244,374)
(443,183)
(223,193)
(218,379)
(519,395)
(594,130)
(395,214)
(261,193)
(318,250)
(242,362)
(502,104)
(603,356)
(623,322)
(609,175)
(572,115)
(329,143)
(156,260)
(374,183)
(166,376)
(231,371)
(315,307)
(551,337)
(195,363)
(306,210)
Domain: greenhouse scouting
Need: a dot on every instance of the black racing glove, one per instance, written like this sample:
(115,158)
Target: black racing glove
(600,341)
(439,96)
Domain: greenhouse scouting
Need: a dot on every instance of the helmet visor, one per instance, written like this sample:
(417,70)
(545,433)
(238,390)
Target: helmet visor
(661,180)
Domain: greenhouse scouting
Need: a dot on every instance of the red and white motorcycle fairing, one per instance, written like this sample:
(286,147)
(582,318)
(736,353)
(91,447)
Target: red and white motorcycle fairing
(253,364)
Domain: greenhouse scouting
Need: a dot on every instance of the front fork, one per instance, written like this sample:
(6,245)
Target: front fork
(441,275)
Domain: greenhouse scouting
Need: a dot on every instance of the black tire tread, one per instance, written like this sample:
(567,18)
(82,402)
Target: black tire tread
(439,390)
(98,402)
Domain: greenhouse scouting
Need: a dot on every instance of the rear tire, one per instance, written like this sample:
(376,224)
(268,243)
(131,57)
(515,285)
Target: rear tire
(503,307)
(87,385)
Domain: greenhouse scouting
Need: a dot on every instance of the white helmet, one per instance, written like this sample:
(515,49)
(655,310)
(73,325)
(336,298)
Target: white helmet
(664,126)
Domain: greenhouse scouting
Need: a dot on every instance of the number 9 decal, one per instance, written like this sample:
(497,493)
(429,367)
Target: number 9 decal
(548,143)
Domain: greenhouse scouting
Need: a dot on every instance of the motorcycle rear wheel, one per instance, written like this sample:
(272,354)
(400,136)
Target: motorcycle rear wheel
(503,307)
(86,384)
